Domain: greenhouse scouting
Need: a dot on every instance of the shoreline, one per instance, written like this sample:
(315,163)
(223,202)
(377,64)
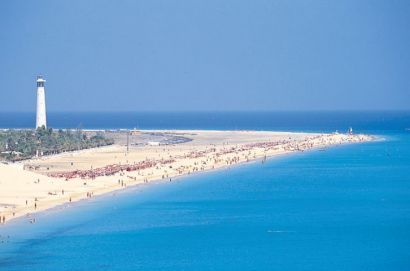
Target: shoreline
(132,180)
(129,189)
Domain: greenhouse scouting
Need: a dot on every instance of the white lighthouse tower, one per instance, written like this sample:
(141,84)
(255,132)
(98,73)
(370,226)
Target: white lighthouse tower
(41,119)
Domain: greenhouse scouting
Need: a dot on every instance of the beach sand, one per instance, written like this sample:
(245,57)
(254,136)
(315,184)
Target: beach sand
(31,186)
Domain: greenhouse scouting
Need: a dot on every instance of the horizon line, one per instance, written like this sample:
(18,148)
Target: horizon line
(214,111)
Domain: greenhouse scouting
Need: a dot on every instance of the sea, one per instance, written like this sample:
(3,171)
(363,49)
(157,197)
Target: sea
(345,208)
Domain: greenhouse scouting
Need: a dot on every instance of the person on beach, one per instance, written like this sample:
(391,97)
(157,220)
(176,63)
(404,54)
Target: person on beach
(35,205)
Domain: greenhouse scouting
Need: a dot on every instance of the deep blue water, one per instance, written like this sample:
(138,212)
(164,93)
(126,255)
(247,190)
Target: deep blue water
(290,121)
(347,208)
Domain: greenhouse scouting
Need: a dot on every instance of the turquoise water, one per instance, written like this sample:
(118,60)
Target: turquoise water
(346,208)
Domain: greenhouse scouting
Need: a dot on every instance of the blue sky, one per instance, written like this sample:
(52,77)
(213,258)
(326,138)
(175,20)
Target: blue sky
(206,55)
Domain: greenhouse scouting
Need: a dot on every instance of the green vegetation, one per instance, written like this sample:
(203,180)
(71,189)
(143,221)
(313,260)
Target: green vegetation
(24,144)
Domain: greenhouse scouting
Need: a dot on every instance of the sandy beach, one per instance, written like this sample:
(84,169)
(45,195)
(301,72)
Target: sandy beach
(39,184)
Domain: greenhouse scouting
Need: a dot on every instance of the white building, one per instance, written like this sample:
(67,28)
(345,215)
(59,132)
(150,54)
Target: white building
(41,119)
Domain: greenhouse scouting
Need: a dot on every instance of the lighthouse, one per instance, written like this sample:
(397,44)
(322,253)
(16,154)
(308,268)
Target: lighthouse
(41,119)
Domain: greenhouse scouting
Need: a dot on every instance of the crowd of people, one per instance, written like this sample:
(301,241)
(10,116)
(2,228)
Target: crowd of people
(109,170)
(214,154)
